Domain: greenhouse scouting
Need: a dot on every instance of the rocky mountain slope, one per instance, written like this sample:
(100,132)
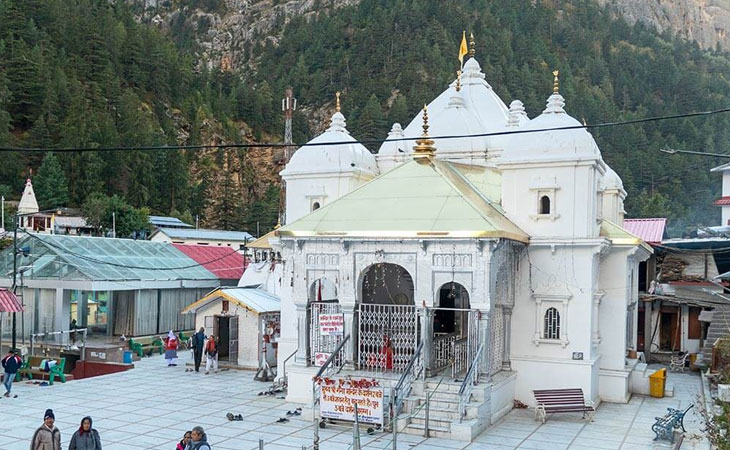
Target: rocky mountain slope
(704,21)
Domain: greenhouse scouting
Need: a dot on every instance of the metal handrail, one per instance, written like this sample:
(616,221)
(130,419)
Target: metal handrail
(332,356)
(284,380)
(470,380)
(412,372)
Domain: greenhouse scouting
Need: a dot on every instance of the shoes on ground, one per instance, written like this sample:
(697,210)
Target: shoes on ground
(282,420)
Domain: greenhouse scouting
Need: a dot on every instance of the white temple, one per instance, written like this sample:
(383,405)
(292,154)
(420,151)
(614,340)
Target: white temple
(501,254)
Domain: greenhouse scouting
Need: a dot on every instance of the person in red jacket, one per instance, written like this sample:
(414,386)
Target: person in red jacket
(171,344)
(211,353)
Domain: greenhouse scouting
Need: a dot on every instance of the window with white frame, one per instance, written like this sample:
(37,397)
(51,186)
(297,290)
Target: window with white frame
(551,329)
(544,203)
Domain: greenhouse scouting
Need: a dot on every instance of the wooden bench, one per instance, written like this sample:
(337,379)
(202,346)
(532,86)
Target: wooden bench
(665,426)
(143,344)
(32,368)
(561,401)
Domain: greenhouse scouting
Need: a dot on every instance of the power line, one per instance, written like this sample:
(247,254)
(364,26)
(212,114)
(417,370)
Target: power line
(369,141)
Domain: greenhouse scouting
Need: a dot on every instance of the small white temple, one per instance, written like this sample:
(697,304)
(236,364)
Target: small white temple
(502,256)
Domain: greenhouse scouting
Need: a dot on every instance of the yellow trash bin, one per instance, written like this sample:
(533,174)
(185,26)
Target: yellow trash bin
(657,382)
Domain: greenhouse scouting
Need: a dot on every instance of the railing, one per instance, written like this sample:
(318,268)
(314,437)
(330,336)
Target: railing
(413,372)
(328,368)
(70,334)
(443,351)
(284,380)
(470,380)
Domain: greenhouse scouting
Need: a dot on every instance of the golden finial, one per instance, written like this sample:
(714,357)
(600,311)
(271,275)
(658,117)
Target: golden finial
(337,101)
(556,82)
(585,124)
(458,80)
(278,223)
(424,148)
(472,45)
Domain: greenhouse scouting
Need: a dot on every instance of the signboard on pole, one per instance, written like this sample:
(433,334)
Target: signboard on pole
(331,324)
(338,402)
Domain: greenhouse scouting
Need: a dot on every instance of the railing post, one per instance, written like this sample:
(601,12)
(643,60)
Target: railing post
(261,444)
(356,432)
(427,339)
(315,443)
(425,421)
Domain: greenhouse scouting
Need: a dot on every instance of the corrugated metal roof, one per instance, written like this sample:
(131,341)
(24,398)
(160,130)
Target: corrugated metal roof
(223,262)
(254,299)
(9,302)
(722,201)
(650,230)
(163,221)
(200,233)
(71,222)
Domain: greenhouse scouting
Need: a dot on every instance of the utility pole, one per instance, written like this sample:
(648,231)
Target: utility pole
(15,276)
(114,224)
(288,106)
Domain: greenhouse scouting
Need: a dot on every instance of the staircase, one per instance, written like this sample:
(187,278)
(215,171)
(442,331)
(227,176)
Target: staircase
(719,327)
(444,410)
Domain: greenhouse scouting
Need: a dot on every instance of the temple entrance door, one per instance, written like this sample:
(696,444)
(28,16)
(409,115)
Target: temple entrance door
(455,337)
(324,311)
(388,322)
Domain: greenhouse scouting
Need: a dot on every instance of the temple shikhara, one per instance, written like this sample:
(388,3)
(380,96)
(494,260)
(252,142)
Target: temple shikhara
(500,260)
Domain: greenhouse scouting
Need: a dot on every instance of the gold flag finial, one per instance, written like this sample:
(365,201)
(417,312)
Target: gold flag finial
(278,222)
(472,46)
(556,82)
(337,101)
(424,149)
(458,80)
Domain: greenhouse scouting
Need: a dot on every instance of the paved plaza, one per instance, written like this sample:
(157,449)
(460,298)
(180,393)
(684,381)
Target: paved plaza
(151,406)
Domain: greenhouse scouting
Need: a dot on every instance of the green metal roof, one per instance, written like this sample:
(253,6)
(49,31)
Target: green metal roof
(416,199)
(101,259)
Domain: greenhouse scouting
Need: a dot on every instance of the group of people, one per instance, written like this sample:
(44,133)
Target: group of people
(48,437)
(205,345)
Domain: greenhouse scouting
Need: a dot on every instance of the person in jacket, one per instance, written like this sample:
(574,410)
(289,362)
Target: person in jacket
(211,355)
(198,344)
(171,344)
(198,440)
(86,437)
(11,364)
(184,442)
(47,436)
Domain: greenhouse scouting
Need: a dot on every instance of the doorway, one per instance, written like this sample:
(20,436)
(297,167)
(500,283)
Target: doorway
(670,330)
(222,331)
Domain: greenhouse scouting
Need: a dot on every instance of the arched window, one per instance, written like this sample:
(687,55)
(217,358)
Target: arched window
(552,324)
(315,206)
(544,204)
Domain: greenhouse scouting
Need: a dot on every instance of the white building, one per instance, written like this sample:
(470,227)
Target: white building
(201,236)
(510,244)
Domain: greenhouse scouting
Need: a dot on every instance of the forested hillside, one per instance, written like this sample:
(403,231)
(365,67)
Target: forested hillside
(83,72)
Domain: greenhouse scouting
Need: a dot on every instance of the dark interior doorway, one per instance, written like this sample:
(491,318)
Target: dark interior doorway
(223,335)
(669,331)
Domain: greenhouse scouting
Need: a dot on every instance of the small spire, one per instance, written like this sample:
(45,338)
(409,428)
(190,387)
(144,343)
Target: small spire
(556,82)
(585,124)
(337,101)
(424,149)
(278,222)
(458,80)
(472,46)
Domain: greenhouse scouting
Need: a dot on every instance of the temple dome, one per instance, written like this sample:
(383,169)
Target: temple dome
(557,144)
(478,111)
(611,180)
(346,157)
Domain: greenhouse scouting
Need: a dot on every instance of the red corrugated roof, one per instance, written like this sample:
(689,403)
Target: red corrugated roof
(9,302)
(223,262)
(722,201)
(650,230)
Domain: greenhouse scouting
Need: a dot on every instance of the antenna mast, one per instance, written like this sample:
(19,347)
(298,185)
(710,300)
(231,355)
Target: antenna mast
(288,106)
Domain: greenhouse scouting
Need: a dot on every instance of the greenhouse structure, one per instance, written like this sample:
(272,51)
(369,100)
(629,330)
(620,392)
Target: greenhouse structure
(112,287)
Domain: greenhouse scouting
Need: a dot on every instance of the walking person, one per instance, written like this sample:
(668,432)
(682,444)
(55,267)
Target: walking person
(198,440)
(171,344)
(182,445)
(86,437)
(198,344)
(11,363)
(211,355)
(47,436)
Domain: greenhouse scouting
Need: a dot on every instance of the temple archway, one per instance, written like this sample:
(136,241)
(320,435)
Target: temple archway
(387,318)
(454,329)
(326,322)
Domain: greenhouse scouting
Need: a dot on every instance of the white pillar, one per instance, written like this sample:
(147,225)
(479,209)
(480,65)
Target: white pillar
(302,358)
(348,311)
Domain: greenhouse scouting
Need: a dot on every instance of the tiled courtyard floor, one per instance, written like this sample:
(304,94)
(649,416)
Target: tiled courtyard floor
(151,406)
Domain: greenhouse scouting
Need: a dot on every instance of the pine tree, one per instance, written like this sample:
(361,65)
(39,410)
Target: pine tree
(50,183)
(371,122)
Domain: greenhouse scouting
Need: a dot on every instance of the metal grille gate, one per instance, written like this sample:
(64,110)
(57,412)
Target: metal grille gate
(399,323)
(457,351)
(496,339)
(319,343)
(233,340)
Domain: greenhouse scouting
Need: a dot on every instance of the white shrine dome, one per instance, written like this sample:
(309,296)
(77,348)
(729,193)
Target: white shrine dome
(556,144)
(479,110)
(393,147)
(610,180)
(348,156)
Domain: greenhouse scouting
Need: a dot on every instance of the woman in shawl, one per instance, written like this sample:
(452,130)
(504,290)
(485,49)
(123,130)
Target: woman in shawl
(171,344)
(86,437)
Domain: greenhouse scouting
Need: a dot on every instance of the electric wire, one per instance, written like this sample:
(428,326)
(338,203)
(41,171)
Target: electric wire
(369,141)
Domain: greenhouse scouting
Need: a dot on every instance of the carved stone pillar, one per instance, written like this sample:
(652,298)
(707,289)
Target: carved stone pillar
(484,337)
(427,338)
(302,358)
(507,330)
(348,311)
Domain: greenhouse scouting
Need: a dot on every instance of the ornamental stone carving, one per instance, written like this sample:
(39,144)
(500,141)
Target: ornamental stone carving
(323,259)
(451,260)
